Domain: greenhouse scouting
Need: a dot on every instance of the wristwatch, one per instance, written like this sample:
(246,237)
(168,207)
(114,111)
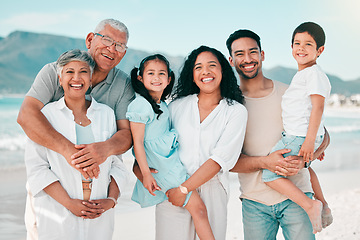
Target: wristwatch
(183,189)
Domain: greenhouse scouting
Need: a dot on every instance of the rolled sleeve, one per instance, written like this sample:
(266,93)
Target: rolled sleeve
(38,168)
(229,145)
(119,172)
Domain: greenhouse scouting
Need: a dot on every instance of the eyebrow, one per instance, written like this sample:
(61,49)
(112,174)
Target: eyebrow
(250,49)
(212,61)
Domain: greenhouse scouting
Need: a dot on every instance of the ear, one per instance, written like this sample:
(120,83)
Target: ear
(140,78)
(89,38)
(262,53)
(60,81)
(320,50)
(231,61)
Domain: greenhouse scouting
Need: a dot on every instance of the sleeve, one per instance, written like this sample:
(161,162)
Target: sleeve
(45,84)
(229,146)
(140,111)
(38,169)
(119,172)
(318,83)
(124,101)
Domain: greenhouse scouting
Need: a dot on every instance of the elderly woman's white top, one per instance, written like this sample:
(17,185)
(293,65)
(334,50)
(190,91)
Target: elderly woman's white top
(219,136)
(45,166)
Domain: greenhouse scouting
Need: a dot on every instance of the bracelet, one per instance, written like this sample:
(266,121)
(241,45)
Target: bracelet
(114,200)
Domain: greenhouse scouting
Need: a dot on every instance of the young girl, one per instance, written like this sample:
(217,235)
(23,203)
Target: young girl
(155,144)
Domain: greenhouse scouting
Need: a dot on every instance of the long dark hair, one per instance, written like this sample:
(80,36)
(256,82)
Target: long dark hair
(140,88)
(229,88)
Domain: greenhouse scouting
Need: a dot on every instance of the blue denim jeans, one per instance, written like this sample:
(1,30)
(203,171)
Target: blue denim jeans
(261,222)
(289,142)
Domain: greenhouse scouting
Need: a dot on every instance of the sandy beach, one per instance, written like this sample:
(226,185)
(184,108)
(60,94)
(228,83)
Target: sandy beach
(341,188)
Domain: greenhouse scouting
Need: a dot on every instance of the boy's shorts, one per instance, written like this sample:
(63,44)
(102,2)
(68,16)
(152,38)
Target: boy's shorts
(289,142)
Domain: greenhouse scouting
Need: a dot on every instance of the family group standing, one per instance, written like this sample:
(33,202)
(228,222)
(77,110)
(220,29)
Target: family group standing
(81,114)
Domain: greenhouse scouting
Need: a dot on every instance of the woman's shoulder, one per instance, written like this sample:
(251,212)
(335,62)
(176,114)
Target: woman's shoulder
(181,101)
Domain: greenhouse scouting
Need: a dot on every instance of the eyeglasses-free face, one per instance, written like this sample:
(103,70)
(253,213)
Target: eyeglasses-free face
(107,41)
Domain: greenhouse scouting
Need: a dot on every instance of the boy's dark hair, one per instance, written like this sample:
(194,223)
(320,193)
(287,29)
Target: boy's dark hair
(314,30)
(242,33)
(229,88)
(140,88)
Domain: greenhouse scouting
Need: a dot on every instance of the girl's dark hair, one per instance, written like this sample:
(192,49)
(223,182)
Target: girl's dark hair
(229,88)
(140,88)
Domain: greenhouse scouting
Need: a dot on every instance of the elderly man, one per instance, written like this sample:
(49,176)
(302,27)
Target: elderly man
(111,86)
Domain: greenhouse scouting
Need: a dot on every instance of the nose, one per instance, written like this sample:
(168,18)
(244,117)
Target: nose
(112,47)
(205,70)
(247,57)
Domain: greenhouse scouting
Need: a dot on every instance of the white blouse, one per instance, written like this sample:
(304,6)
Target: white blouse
(219,137)
(45,166)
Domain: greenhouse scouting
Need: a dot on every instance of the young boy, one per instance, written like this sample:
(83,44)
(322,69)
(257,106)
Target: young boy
(302,109)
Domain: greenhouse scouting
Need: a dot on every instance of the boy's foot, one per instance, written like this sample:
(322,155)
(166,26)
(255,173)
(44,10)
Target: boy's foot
(314,214)
(326,216)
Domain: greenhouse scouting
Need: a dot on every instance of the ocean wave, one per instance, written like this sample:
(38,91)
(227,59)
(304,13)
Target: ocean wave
(12,143)
(343,129)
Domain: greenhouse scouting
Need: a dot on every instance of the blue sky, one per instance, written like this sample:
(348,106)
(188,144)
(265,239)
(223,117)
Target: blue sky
(177,27)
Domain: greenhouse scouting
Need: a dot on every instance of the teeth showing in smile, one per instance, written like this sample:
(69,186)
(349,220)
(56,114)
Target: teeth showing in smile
(301,55)
(156,84)
(207,80)
(107,56)
(76,85)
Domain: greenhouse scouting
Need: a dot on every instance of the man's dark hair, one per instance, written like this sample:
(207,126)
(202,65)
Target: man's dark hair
(242,33)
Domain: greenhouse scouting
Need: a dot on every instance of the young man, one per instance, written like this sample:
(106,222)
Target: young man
(111,86)
(264,209)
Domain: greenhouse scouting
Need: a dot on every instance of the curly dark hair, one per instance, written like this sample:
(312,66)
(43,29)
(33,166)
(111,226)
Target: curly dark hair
(140,88)
(229,88)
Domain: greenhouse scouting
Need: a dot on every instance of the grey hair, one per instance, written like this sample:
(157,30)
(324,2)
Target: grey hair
(113,23)
(74,55)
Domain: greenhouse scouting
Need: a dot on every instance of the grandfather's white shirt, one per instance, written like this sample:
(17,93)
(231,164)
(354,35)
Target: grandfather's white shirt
(219,137)
(45,166)
(296,102)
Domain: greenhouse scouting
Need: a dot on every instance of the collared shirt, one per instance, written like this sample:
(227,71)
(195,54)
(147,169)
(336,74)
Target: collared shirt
(218,137)
(45,166)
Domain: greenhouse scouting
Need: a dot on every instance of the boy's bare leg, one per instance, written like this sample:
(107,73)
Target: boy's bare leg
(197,209)
(326,216)
(313,208)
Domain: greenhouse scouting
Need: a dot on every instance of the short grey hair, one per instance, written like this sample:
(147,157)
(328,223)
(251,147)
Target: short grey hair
(74,55)
(114,24)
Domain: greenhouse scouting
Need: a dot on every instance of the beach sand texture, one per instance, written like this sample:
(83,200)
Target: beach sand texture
(341,188)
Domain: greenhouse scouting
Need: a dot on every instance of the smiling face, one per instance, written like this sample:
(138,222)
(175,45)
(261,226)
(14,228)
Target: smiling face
(305,51)
(207,73)
(106,58)
(155,78)
(246,57)
(75,79)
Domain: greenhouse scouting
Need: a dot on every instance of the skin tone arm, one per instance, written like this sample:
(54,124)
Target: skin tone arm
(90,155)
(275,162)
(206,172)
(138,130)
(81,208)
(307,148)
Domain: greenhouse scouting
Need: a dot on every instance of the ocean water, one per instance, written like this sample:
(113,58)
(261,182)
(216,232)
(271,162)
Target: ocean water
(342,124)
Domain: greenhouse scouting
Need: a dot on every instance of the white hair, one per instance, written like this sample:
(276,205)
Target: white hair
(113,23)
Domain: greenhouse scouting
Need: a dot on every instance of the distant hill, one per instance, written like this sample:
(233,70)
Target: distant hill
(23,54)
(339,86)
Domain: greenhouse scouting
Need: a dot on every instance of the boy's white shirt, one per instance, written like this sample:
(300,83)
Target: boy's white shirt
(296,102)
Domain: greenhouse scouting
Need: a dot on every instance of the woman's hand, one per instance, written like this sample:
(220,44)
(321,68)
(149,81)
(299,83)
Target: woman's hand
(176,197)
(150,183)
(84,209)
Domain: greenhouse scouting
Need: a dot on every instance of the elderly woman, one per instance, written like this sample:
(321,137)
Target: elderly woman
(68,206)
